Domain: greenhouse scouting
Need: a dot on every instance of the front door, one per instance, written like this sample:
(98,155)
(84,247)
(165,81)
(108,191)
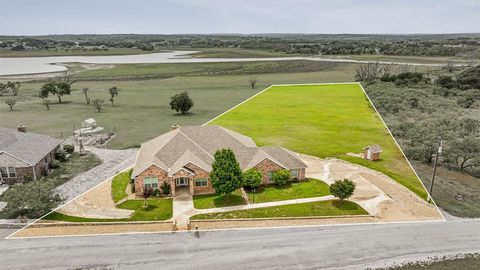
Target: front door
(182,181)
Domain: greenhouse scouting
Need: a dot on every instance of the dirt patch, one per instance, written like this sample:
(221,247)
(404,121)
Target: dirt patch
(380,195)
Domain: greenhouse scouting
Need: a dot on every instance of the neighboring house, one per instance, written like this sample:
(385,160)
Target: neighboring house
(25,155)
(183,157)
(372,152)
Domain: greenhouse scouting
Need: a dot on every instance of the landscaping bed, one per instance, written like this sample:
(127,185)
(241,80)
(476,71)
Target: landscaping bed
(292,190)
(312,209)
(214,200)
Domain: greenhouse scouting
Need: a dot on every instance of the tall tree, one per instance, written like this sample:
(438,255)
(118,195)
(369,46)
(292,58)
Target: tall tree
(181,102)
(113,91)
(85,92)
(57,88)
(226,174)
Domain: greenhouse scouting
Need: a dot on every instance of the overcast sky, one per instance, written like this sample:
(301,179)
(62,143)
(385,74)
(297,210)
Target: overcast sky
(38,17)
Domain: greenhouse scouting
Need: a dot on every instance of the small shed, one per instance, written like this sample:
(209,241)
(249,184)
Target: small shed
(372,152)
(89,123)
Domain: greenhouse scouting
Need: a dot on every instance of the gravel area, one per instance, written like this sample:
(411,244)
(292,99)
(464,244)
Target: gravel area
(114,161)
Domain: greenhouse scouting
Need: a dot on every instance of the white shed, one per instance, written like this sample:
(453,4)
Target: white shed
(89,123)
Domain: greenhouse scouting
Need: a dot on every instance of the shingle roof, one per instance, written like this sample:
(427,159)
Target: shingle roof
(375,148)
(197,144)
(28,148)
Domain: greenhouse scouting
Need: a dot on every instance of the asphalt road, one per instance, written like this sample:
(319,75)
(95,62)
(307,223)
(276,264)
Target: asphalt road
(332,247)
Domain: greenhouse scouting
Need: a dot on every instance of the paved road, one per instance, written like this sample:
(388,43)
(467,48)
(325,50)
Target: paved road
(332,247)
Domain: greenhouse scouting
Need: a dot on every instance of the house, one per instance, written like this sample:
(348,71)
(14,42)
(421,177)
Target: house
(25,155)
(183,158)
(372,152)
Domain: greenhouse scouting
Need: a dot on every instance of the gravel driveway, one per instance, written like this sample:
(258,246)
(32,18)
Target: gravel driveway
(114,161)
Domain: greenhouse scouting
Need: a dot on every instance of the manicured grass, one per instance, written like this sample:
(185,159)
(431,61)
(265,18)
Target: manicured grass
(324,208)
(158,209)
(142,111)
(467,262)
(327,120)
(119,185)
(214,200)
(304,189)
(75,165)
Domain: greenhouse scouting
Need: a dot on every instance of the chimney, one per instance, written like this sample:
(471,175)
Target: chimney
(175,126)
(22,128)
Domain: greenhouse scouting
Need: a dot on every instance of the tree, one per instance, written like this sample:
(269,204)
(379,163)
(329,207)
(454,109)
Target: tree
(181,102)
(31,200)
(253,81)
(58,88)
(281,177)
(147,192)
(226,174)
(14,87)
(97,104)
(342,189)
(464,152)
(11,103)
(3,89)
(252,178)
(85,92)
(113,91)
(166,188)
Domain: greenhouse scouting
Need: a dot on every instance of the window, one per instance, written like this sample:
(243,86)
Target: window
(270,176)
(201,182)
(294,173)
(150,182)
(3,172)
(11,172)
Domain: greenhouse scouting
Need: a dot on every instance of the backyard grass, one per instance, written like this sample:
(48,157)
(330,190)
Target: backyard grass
(214,200)
(119,185)
(312,209)
(74,165)
(292,190)
(328,120)
(142,110)
(158,209)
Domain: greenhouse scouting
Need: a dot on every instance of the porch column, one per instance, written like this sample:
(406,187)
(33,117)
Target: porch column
(191,185)
(172,186)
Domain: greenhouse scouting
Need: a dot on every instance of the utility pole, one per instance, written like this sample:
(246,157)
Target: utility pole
(439,152)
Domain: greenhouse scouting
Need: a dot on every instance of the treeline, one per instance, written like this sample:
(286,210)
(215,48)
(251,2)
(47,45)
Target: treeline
(421,111)
(434,45)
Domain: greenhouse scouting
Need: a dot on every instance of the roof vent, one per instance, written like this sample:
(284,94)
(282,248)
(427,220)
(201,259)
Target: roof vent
(22,128)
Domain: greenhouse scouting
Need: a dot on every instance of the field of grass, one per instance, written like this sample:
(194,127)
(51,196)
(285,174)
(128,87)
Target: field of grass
(214,200)
(313,209)
(235,53)
(327,120)
(141,111)
(75,165)
(119,185)
(304,189)
(62,52)
(158,209)
(411,59)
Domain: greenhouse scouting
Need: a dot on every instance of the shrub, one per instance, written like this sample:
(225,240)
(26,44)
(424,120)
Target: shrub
(281,177)
(252,178)
(156,192)
(60,154)
(165,188)
(181,102)
(342,189)
(54,164)
(69,148)
(132,186)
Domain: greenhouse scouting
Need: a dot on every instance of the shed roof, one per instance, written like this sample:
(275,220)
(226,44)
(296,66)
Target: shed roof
(375,148)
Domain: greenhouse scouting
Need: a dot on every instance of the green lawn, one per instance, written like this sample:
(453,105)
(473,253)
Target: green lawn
(304,189)
(119,185)
(328,120)
(214,200)
(324,208)
(75,165)
(468,262)
(158,209)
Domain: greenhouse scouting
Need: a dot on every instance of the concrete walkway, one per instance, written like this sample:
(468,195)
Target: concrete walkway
(182,208)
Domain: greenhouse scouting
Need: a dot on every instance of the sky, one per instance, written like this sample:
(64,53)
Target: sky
(41,17)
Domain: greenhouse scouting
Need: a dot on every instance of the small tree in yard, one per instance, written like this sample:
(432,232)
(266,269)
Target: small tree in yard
(342,189)
(11,103)
(146,194)
(181,102)
(97,104)
(226,174)
(281,177)
(58,88)
(113,91)
(252,178)
(165,188)
(253,81)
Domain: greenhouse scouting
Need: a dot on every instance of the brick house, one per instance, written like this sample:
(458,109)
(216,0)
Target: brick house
(183,158)
(25,155)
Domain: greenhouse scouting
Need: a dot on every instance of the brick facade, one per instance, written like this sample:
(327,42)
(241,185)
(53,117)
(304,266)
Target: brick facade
(27,173)
(154,171)
(265,167)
